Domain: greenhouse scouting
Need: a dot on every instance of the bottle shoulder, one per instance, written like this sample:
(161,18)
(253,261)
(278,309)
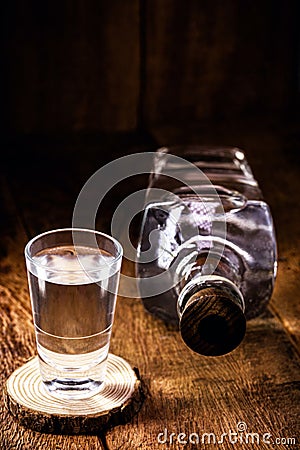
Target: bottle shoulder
(208,203)
(189,168)
(210,158)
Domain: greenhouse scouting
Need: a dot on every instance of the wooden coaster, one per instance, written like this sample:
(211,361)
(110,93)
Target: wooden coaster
(29,401)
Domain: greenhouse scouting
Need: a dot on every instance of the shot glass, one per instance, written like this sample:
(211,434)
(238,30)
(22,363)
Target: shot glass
(73,277)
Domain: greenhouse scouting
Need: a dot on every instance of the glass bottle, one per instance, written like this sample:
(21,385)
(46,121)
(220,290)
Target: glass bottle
(206,258)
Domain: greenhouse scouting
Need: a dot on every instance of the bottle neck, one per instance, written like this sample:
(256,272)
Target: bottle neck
(200,282)
(225,264)
(211,315)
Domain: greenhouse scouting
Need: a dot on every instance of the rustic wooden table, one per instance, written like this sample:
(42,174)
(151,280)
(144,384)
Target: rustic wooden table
(255,388)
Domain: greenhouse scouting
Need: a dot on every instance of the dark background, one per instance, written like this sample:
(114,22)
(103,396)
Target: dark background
(84,82)
(92,67)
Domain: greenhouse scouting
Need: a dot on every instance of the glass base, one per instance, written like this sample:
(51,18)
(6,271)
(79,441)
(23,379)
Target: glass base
(30,402)
(73,390)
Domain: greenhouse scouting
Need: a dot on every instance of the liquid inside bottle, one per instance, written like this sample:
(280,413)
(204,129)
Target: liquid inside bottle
(207,248)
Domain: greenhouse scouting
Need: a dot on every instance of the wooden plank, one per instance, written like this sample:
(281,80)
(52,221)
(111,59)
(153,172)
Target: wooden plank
(205,61)
(277,167)
(257,384)
(17,342)
(70,68)
(272,151)
(119,400)
(37,194)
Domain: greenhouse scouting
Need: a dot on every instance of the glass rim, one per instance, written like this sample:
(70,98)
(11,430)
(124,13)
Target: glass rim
(116,243)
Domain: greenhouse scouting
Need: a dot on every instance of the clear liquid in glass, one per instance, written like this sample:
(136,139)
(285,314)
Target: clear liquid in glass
(73,302)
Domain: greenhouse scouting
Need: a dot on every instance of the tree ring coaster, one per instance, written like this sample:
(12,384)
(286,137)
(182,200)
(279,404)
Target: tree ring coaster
(29,401)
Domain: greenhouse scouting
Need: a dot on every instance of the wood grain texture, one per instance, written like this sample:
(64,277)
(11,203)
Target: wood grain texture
(207,61)
(32,200)
(33,406)
(17,346)
(258,383)
(70,67)
(272,149)
(210,310)
(17,342)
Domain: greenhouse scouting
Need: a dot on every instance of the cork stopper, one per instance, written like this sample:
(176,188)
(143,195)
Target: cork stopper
(212,322)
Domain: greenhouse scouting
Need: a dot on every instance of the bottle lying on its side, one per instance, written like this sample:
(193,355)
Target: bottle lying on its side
(206,257)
